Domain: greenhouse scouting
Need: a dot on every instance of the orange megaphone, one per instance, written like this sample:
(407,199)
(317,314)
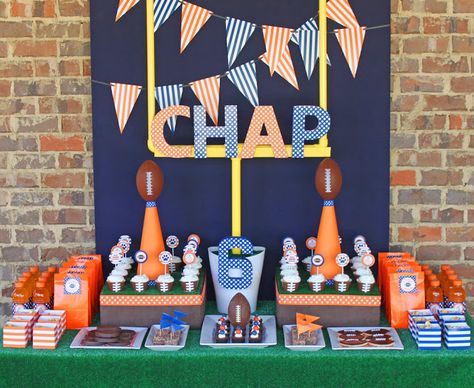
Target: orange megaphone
(328,182)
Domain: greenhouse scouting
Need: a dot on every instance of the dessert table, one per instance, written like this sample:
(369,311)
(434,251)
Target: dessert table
(196,365)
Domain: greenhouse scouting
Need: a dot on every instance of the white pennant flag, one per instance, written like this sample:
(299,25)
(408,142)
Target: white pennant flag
(169,95)
(244,77)
(238,33)
(124,97)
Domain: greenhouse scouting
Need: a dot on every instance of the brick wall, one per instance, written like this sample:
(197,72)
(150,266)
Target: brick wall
(46,195)
(46,200)
(432,157)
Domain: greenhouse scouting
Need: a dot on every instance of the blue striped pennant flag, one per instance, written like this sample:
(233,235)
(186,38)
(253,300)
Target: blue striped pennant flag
(238,33)
(163,10)
(309,25)
(244,77)
(169,95)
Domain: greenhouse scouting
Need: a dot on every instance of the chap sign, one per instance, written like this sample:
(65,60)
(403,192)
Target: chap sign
(263,117)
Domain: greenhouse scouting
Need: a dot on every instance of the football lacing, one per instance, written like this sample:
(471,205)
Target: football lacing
(149,183)
(327,180)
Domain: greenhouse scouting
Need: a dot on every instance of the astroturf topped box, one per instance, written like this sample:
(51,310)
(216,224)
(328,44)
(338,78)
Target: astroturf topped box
(351,308)
(131,308)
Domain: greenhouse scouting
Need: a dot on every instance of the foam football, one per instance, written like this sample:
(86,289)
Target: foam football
(239,310)
(149,180)
(328,179)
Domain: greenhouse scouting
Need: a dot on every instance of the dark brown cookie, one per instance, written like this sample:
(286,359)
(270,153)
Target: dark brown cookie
(127,331)
(349,331)
(91,343)
(377,331)
(107,340)
(380,341)
(353,342)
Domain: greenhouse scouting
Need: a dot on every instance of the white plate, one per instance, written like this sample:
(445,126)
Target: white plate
(136,344)
(332,331)
(166,348)
(318,346)
(209,326)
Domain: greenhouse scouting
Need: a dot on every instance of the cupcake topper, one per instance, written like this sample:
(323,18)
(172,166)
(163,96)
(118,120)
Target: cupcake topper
(116,254)
(291,257)
(359,238)
(311,244)
(288,240)
(140,258)
(194,237)
(342,259)
(317,261)
(165,259)
(172,242)
(189,256)
(368,260)
(305,323)
(125,246)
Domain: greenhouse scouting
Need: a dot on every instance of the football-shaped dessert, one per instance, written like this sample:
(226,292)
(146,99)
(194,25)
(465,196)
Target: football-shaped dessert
(149,180)
(328,179)
(239,310)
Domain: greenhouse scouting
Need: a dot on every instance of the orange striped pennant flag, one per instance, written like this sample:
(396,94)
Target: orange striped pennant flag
(193,18)
(276,39)
(207,91)
(123,7)
(351,41)
(341,12)
(285,68)
(125,97)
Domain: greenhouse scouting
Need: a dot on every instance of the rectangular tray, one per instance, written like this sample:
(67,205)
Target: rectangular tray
(332,331)
(136,344)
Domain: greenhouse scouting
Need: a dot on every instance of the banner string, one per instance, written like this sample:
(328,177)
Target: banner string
(223,75)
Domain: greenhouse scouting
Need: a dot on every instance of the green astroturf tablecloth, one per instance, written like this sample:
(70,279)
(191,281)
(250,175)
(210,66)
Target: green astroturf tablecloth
(270,367)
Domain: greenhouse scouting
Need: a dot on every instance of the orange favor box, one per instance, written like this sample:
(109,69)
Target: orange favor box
(46,335)
(16,334)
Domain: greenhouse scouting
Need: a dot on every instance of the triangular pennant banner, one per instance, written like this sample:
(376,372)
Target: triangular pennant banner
(169,95)
(238,33)
(341,12)
(285,68)
(309,25)
(244,77)
(193,18)
(124,97)
(207,91)
(162,10)
(276,39)
(309,48)
(351,41)
(123,7)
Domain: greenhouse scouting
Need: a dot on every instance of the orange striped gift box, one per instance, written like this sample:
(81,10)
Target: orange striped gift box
(46,335)
(15,334)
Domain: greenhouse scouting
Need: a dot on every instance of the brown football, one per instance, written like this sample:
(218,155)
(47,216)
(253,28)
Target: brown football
(149,180)
(328,179)
(239,310)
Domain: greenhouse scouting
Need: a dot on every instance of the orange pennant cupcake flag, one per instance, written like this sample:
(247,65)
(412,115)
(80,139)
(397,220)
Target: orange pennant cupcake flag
(304,323)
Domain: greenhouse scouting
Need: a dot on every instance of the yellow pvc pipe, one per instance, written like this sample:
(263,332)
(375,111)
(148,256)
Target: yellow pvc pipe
(323,68)
(236,197)
(150,66)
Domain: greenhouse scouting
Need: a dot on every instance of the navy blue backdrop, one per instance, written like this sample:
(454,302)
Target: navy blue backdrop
(278,196)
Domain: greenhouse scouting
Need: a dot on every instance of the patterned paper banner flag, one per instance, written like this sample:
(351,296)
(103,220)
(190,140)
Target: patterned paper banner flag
(123,7)
(207,91)
(238,33)
(285,67)
(163,9)
(351,41)
(341,12)
(309,25)
(169,95)
(244,77)
(276,40)
(124,97)
(193,18)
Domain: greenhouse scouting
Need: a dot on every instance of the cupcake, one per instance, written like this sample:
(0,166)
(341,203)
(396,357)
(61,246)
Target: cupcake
(115,283)
(195,265)
(139,283)
(119,272)
(189,283)
(342,282)
(190,271)
(164,283)
(288,272)
(126,260)
(282,260)
(293,267)
(356,266)
(365,283)
(125,266)
(317,282)
(176,264)
(356,259)
(290,283)
(307,263)
(363,272)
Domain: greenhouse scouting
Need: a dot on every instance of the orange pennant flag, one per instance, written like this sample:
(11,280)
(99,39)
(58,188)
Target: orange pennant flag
(207,91)
(123,7)
(193,18)
(341,12)
(351,41)
(304,323)
(285,68)
(276,40)
(124,97)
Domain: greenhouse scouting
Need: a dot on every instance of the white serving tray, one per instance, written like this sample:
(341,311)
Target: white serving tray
(209,326)
(166,348)
(136,344)
(334,338)
(308,348)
